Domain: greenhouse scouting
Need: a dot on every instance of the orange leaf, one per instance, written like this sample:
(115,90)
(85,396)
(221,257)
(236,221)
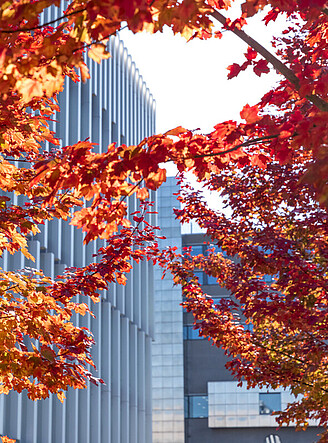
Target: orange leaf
(61,396)
(98,52)
(7,440)
(142,193)
(250,114)
(176,131)
(29,88)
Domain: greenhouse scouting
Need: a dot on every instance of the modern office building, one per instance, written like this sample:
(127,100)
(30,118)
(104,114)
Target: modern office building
(115,105)
(189,370)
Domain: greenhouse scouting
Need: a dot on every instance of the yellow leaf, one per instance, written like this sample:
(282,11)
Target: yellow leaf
(98,52)
(29,88)
(61,396)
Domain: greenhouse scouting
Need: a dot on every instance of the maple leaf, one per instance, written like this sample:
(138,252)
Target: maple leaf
(261,67)
(97,52)
(61,396)
(271,15)
(260,160)
(155,179)
(250,114)
(220,4)
(48,354)
(251,54)
(29,88)
(234,70)
(142,193)
(272,171)
(5,439)
(85,75)
(176,131)
(251,7)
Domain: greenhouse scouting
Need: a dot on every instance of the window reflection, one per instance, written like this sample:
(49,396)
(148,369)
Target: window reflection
(270,402)
(189,333)
(196,406)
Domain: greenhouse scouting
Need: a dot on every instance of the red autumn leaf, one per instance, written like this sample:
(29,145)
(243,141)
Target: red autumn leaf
(5,439)
(155,179)
(250,114)
(251,54)
(220,4)
(271,15)
(261,67)
(234,70)
(250,7)
(260,160)
(218,34)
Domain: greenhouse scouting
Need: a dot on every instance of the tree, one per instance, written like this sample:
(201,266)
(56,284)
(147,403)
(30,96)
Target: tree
(280,148)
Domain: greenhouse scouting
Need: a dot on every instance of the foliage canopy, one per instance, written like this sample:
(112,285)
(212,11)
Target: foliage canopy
(271,169)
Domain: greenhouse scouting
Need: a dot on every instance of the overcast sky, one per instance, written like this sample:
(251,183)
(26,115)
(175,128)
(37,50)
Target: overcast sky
(189,79)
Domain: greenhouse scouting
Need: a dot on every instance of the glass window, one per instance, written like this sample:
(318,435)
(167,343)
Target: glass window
(211,280)
(196,250)
(196,406)
(189,333)
(248,327)
(269,402)
(194,334)
(210,247)
(200,276)
(186,407)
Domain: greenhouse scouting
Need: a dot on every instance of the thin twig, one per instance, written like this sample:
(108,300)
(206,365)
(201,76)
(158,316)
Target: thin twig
(275,62)
(34,28)
(98,41)
(234,148)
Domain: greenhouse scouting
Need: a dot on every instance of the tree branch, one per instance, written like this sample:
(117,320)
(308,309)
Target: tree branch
(234,148)
(241,145)
(34,28)
(275,62)
(80,48)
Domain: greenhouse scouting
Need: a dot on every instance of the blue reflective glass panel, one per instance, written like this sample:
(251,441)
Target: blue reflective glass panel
(196,250)
(194,334)
(189,333)
(211,280)
(270,402)
(186,407)
(198,406)
(200,276)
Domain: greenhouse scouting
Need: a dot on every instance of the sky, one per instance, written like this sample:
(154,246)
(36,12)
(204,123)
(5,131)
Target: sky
(189,79)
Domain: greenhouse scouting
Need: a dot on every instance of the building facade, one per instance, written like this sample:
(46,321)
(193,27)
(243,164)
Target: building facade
(216,410)
(113,106)
(168,377)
